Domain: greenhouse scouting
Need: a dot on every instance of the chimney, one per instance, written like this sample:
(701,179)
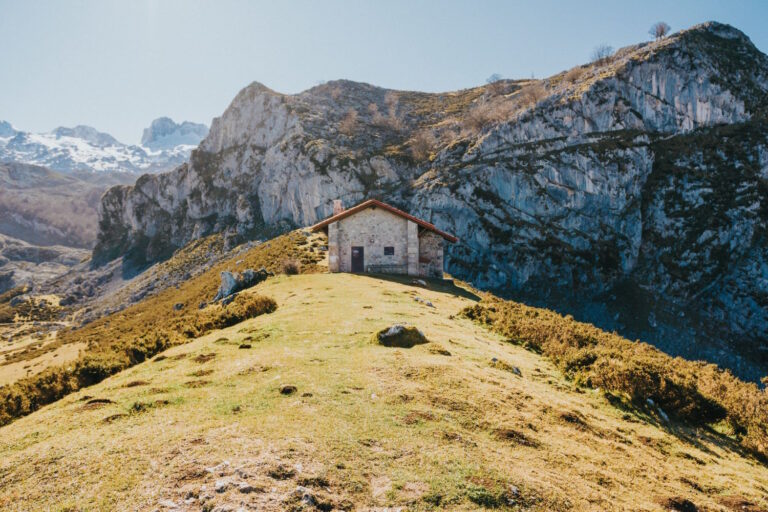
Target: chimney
(337,206)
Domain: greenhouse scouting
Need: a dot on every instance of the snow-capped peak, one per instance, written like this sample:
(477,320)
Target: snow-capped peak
(165,145)
(6,130)
(164,133)
(88,134)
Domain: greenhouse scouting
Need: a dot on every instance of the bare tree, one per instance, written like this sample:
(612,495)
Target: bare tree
(659,30)
(394,121)
(601,53)
(493,78)
(376,117)
(422,144)
(532,94)
(495,83)
(487,113)
(348,124)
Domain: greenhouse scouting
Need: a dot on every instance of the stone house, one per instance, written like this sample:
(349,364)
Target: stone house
(376,237)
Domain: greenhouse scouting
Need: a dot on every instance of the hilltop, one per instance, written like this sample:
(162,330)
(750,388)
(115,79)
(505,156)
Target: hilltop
(629,191)
(464,422)
(175,403)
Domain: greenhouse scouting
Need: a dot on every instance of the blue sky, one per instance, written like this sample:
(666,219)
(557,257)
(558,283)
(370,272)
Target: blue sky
(118,65)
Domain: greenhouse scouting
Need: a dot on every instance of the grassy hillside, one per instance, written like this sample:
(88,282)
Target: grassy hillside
(119,340)
(302,409)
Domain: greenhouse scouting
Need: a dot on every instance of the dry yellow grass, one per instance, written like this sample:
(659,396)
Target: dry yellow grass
(11,372)
(445,425)
(121,339)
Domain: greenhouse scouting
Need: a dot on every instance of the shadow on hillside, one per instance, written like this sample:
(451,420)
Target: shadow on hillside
(701,437)
(438,285)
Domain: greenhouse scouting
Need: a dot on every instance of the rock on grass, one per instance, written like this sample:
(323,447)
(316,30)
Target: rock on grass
(400,336)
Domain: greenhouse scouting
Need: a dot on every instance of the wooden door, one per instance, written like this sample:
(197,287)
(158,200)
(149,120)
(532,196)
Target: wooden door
(358,259)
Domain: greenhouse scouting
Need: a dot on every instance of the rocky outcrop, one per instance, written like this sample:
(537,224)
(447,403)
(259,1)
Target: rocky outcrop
(233,282)
(25,264)
(631,192)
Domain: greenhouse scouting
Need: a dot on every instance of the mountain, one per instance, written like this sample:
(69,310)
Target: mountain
(6,130)
(45,207)
(163,133)
(88,134)
(630,192)
(84,148)
(287,399)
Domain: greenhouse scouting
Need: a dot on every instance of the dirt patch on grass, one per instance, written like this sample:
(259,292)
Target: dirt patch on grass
(140,407)
(136,383)
(204,358)
(96,403)
(515,436)
(678,504)
(114,417)
(197,383)
(414,417)
(201,373)
(575,419)
(281,472)
(740,504)
(437,349)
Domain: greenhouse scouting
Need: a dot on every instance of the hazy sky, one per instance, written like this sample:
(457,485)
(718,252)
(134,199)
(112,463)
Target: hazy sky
(118,65)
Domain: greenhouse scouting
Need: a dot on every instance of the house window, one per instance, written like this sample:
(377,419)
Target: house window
(389,251)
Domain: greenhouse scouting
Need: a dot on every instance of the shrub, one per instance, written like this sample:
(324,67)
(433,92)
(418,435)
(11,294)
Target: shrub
(574,74)
(532,94)
(291,267)
(693,392)
(240,309)
(488,112)
(348,124)
(422,144)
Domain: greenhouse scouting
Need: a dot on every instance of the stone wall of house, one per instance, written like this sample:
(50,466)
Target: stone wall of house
(417,254)
(373,229)
(430,254)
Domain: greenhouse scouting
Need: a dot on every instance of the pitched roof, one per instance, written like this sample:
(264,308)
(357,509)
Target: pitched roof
(374,202)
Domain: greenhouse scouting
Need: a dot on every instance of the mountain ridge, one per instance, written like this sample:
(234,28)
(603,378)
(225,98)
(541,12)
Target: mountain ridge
(564,191)
(84,148)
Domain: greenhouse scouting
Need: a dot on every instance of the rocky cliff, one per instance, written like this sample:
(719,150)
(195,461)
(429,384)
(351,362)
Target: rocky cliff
(632,191)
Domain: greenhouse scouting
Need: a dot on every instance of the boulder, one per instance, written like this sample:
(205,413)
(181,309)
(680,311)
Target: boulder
(400,336)
(233,282)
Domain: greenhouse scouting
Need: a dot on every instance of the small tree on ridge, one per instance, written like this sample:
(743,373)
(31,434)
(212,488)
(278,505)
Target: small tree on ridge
(659,30)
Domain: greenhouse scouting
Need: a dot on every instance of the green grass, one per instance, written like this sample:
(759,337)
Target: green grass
(122,339)
(369,425)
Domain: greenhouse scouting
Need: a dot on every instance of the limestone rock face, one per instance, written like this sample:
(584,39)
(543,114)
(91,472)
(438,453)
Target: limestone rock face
(632,193)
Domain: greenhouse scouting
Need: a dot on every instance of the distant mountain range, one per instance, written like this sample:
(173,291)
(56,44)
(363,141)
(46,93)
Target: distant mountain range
(164,145)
